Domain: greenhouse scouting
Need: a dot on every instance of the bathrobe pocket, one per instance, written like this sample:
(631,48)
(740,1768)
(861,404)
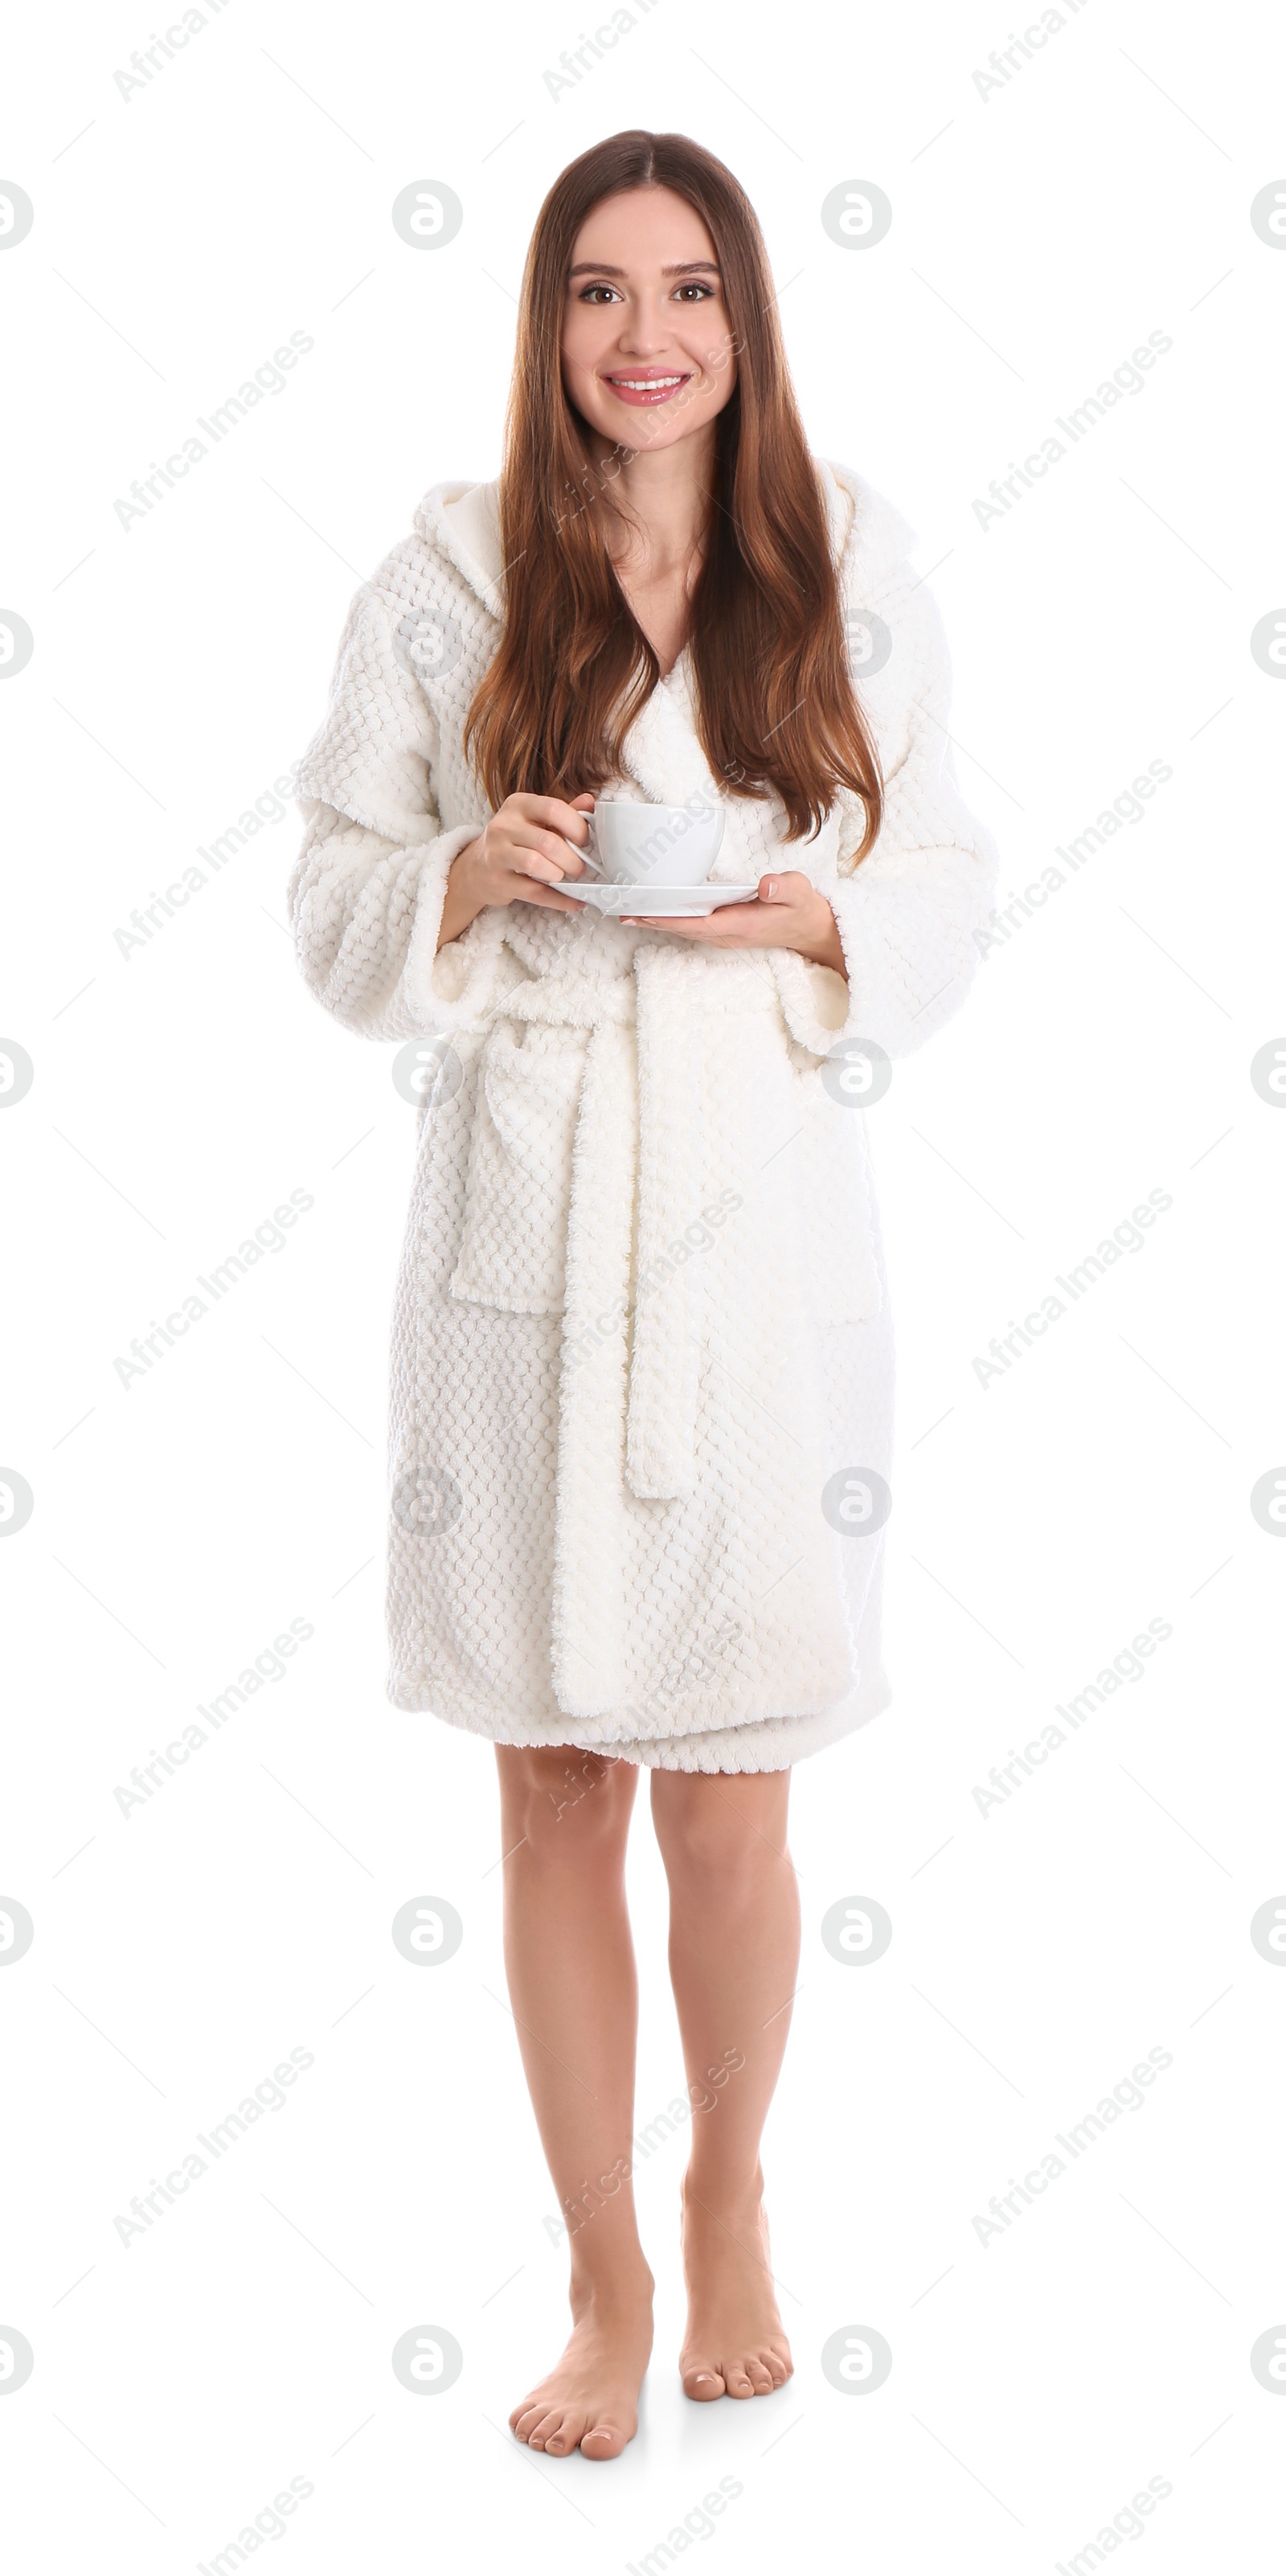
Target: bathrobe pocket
(839,1215)
(513,1241)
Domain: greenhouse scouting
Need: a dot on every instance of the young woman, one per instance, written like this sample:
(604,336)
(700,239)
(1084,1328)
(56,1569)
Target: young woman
(641,1369)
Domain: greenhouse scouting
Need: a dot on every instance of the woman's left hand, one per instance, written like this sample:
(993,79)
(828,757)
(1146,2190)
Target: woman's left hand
(790,913)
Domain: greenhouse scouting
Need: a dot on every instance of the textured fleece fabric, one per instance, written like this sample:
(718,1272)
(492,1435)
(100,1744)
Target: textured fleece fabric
(641,1321)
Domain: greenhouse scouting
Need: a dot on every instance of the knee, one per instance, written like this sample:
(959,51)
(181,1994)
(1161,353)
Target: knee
(706,1836)
(563,1803)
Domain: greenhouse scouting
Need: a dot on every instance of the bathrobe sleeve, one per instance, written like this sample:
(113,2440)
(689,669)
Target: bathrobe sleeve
(367,890)
(908,912)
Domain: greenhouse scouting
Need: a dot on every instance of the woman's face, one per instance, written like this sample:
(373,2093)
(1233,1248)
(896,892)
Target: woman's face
(647,346)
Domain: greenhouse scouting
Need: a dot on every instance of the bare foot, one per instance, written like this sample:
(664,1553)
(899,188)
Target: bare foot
(736,2344)
(590,2399)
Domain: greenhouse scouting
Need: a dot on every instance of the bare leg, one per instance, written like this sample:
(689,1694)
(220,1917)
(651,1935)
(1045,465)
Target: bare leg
(570,1965)
(734,1958)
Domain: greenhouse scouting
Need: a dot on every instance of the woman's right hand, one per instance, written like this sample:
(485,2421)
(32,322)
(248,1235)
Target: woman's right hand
(518,858)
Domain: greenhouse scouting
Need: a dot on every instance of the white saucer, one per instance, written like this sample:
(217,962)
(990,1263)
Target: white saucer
(674,903)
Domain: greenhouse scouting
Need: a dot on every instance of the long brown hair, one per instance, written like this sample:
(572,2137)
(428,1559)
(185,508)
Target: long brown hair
(775,703)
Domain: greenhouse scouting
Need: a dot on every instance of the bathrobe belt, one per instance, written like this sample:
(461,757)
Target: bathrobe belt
(631,1344)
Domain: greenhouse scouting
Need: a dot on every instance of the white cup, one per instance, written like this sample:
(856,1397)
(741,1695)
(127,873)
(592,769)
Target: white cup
(663,845)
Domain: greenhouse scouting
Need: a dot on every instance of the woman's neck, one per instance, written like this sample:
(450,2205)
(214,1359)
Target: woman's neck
(659,504)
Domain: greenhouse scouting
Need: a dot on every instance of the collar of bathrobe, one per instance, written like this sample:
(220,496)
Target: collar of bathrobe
(662,751)
(868,536)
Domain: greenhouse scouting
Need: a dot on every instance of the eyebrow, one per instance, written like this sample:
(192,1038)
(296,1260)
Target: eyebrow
(682,268)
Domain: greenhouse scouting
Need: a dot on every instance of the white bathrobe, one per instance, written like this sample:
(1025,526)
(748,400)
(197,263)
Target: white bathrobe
(640,1430)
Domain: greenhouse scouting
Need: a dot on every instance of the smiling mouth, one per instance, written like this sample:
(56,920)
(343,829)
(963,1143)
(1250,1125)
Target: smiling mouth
(647,387)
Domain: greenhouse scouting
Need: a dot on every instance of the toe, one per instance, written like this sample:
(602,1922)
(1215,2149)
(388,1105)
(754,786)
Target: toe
(559,2434)
(603,2441)
(759,2375)
(739,2382)
(524,2416)
(546,2422)
(701,2382)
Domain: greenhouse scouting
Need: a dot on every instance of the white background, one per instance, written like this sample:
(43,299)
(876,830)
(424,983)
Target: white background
(1039,1951)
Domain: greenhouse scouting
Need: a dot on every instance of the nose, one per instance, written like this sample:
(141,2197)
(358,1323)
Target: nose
(644,331)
